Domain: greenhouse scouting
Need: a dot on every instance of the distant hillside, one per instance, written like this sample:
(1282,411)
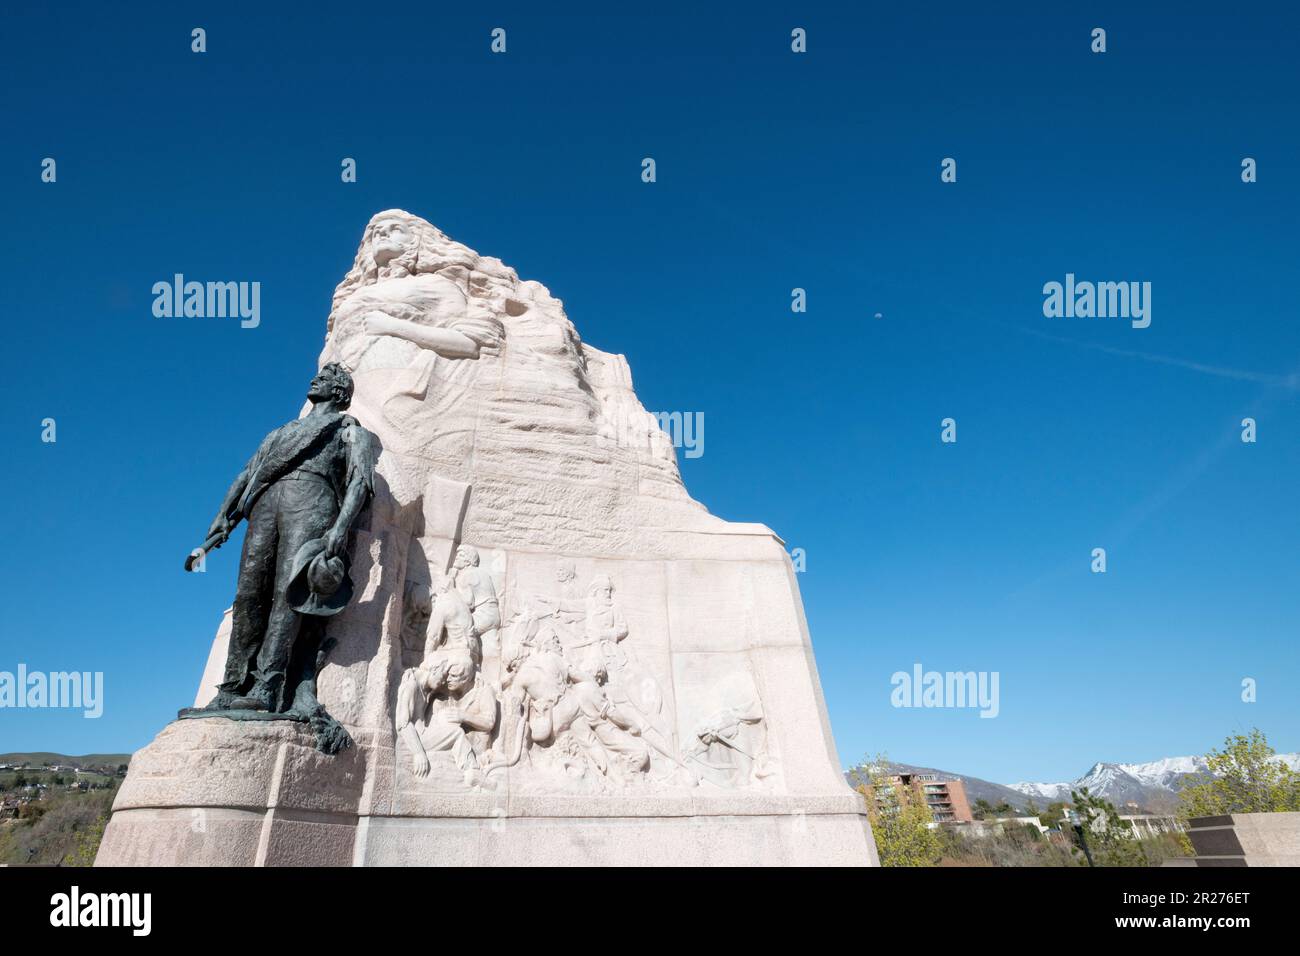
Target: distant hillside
(1153,786)
(976,788)
(41,758)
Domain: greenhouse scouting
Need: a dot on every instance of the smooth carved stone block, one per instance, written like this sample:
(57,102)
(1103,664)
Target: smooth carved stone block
(749,840)
(1246,839)
(212,671)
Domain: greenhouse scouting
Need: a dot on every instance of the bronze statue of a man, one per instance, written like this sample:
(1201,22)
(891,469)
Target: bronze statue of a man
(300,494)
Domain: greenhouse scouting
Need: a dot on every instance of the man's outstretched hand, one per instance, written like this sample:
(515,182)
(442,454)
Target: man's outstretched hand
(220,526)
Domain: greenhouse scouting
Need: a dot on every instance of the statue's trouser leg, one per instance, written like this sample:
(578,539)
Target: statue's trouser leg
(253,594)
(620,741)
(304,661)
(591,745)
(304,510)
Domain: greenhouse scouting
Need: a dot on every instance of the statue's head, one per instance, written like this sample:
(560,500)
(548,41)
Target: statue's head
(332,383)
(393,244)
(397,245)
(390,237)
(460,670)
(565,572)
(432,675)
(601,587)
(466,557)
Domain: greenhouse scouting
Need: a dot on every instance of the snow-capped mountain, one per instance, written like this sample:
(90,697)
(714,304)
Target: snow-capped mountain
(1151,785)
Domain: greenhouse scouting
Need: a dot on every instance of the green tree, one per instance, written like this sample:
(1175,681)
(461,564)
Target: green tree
(1244,777)
(982,809)
(905,831)
(1110,839)
(1054,814)
(86,842)
(65,828)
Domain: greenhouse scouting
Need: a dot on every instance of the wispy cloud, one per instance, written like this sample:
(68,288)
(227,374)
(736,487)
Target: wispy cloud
(1291,382)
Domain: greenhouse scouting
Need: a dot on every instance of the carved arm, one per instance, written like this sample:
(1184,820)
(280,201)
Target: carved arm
(447,342)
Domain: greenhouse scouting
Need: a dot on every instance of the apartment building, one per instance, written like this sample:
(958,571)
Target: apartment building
(946,799)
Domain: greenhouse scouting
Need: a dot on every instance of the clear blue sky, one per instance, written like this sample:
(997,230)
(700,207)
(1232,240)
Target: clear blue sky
(775,170)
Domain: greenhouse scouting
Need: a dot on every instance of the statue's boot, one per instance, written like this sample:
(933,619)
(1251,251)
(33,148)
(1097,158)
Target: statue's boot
(220,702)
(260,697)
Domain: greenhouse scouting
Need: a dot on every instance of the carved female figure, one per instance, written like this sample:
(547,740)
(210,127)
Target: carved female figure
(404,321)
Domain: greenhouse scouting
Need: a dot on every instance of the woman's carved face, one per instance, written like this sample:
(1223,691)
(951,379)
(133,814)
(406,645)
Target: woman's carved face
(389,241)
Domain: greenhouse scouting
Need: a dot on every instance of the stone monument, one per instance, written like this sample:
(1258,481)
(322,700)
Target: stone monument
(544,652)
